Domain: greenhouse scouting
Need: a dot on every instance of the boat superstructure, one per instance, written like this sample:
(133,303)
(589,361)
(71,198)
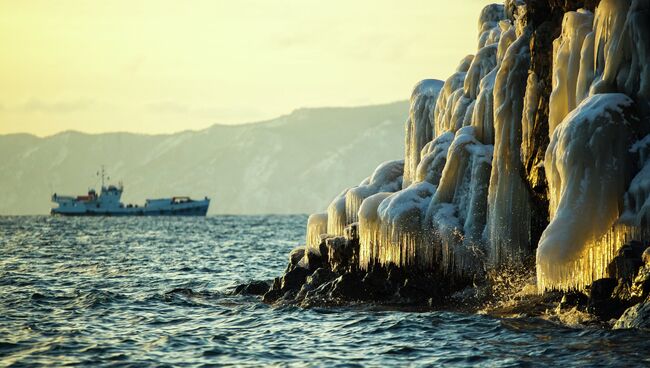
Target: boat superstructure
(108,203)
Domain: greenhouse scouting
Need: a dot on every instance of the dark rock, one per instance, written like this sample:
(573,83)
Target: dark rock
(348,286)
(253,288)
(341,252)
(645,257)
(296,255)
(420,288)
(601,302)
(627,262)
(352,231)
(294,279)
(377,286)
(637,316)
(640,287)
(313,281)
(313,261)
(272,296)
(574,299)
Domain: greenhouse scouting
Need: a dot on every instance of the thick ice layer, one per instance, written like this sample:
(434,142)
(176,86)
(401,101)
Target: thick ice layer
(508,226)
(433,159)
(419,127)
(336,218)
(447,102)
(620,46)
(566,53)
(370,230)
(316,226)
(488,24)
(587,165)
(456,216)
(386,178)
(399,230)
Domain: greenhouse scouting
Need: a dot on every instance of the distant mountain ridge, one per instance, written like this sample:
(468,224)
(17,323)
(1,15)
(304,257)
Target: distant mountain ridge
(291,164)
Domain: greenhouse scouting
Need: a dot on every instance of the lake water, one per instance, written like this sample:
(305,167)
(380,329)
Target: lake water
(154,292)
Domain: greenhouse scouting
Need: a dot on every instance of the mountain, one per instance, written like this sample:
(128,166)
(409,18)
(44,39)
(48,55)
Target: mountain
(292,164)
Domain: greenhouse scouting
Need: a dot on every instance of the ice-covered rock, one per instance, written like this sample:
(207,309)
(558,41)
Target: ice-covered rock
(419,126)
(588,167)
(316,226)
(567,58)
(386,178)
(508,224)
(457,214)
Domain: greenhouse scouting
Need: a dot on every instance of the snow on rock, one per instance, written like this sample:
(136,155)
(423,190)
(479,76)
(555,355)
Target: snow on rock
(419,127)
(587,164)
(508,225)
(386,178)
(316,226)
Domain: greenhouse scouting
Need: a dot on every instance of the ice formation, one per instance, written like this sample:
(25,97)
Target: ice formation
(590,160)
(316,226)
(462,200)
(566,52)
(508,225)
(456,216)
(587,165)
(386,178)
(419,127)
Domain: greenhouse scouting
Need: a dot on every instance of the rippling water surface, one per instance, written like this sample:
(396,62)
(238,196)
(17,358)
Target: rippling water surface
(153,292)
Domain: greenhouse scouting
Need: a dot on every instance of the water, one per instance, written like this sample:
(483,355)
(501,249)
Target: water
(153,292)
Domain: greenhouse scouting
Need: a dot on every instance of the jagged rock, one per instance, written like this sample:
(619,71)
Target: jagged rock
(352,231)
(573,300)
(294,279)
(637,316)
(296,255)
(348,287)
(377,286)
(419,288)
(641,285)
(341,253)
(312,261)
(253,288)
(645,257)
(601,302)
(627,262)
(315,280)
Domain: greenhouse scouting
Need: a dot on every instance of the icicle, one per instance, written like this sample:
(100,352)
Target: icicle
(419,127)
(566,58)
(449,95)
(587,166)
(533,89)
(508,227)
(387,177)
(457,214)
(369,230)
(316,226)
(336,216)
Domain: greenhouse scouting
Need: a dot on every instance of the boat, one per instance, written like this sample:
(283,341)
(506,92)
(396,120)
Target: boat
(108,203)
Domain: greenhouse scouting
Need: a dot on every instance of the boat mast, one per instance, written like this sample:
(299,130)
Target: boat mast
(103,174)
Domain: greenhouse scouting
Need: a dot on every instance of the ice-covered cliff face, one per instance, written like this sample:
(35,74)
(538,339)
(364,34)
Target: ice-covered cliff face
(598,109)
(537,144)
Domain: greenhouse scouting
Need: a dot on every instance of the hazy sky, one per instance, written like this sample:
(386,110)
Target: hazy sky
(162,66)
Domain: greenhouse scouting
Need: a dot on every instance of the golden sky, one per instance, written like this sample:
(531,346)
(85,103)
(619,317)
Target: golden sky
(153,66)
